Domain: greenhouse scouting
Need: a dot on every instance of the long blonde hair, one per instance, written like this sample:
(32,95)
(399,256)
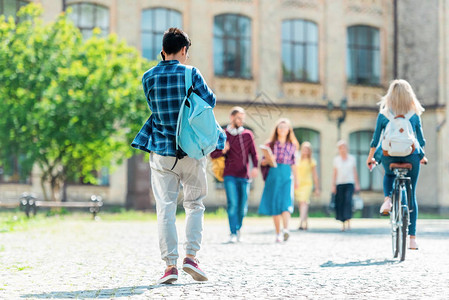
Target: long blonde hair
(290,136)
(307,145)
(400,99)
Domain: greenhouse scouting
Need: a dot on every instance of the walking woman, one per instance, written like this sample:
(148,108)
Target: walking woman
(399,102)
(343,181)
(277,197)
(308,179)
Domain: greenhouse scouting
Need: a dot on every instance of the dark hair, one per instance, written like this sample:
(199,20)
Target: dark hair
(174,40)
(236,110)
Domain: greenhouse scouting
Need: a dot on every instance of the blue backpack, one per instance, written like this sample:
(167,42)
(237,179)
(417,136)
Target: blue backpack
(197,130)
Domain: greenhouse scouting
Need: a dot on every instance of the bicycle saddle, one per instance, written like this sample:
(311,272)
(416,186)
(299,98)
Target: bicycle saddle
(400,166)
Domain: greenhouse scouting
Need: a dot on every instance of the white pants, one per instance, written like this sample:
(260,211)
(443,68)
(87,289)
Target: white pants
(191,173)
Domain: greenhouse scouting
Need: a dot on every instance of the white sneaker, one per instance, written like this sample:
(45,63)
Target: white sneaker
(279,238)
(239,236)
(286,234)
(232,239)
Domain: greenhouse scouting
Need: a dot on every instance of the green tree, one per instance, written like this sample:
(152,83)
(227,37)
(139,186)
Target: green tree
(69,105)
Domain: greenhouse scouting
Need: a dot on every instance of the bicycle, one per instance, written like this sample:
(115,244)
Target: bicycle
(401,209)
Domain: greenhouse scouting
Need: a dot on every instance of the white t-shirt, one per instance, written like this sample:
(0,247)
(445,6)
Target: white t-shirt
(345,169)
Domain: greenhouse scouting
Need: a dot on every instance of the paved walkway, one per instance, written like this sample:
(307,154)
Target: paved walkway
(120,260)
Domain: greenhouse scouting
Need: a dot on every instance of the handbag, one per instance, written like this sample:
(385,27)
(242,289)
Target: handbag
(357,202)
(265,169)
(332,202)
(218,165)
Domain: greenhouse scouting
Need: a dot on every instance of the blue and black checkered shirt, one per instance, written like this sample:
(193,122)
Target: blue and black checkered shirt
(164,87)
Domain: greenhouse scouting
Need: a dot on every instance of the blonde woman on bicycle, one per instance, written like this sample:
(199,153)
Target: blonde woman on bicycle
(400,101)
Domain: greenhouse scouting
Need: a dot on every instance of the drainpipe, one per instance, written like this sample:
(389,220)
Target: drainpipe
(395,39)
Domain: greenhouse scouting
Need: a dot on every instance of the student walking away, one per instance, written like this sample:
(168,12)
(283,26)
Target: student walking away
(165,89)
(344,178)
(238,151)
(277,197)
(399,123)
(308,180)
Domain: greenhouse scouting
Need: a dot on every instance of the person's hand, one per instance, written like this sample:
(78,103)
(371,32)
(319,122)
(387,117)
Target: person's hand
(226,148)
(296,185)
(370,163)
(254,173)
(357,188)
(334,189)
(263,162)
(424,161)
(317,192)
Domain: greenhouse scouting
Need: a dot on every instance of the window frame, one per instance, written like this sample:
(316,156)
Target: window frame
(292,43)
(357,47)
(19,5)
(153,32)
(95,6)
(16,173)
(238,38)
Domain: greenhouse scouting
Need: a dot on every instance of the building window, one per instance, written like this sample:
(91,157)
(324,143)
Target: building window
(88,16)
(363,61)
(11,7)
(313,137)
(299,51)
(102,178)
(232,46)
(154,23)
(359,142)
(14,172)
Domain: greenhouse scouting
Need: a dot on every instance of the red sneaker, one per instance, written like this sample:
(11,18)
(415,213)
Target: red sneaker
(191,266)
(170,276)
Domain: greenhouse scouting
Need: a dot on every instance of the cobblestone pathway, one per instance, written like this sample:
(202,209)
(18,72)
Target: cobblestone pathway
(120,260)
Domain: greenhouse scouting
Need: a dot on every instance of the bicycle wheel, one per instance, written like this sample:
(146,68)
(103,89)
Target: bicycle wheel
(394,224)
(403,228)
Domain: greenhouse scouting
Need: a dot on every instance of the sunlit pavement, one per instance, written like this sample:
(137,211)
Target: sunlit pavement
(121,260)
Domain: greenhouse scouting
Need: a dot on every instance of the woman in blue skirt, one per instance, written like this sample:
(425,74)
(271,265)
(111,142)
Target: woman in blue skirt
(277,197)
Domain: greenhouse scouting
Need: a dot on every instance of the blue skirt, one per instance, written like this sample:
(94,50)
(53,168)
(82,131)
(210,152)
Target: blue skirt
(277,194)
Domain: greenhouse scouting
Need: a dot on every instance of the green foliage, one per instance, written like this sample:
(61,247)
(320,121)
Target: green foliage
(70,105)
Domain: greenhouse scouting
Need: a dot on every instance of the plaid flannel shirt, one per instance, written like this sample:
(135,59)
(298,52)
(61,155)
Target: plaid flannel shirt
(164,87)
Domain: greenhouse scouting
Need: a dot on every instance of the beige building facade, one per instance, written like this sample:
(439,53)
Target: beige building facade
(273,81)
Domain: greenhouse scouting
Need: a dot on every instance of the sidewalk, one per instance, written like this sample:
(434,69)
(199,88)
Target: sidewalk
(121,260)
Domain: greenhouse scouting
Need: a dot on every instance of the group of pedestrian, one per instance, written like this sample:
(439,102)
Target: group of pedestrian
(288,175)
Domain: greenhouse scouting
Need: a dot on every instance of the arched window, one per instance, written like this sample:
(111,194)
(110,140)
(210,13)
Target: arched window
(11,7)
(232,46)
(359,145)
(88,16)
(299,50)
(312,136)
(155,22)
(363,61)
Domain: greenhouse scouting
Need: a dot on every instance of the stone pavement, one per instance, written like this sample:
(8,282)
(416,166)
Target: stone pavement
(120,260)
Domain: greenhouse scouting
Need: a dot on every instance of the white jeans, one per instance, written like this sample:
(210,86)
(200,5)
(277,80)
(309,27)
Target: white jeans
(191,173)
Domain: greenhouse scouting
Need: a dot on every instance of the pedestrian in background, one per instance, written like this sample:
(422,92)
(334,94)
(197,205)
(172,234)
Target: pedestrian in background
(343,181)
(240,146)
(164,87)
(277,197)
(308,180)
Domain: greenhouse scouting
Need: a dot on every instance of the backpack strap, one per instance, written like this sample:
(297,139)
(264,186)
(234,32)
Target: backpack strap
(409,115)
(388,115)
(185,103)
